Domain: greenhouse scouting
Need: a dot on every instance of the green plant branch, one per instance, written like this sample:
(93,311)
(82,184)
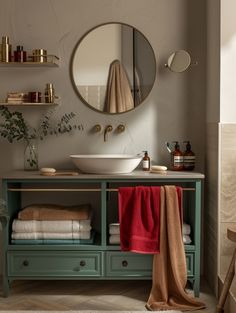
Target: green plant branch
(14,127)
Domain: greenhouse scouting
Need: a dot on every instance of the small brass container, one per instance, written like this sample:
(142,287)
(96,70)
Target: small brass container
(40,55)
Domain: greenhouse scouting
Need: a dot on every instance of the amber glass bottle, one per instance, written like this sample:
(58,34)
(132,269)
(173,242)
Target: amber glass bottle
(146,161)
(189,157)
(177,158)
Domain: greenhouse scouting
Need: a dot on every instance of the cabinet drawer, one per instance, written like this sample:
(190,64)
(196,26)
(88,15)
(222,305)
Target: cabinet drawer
(190,263)
(43,263)
(128,264)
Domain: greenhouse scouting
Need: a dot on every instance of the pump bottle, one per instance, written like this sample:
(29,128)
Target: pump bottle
(176,158)
(189,157)
(146,161)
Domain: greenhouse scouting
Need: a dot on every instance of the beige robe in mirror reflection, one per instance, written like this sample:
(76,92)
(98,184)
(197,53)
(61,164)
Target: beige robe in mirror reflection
(118,96)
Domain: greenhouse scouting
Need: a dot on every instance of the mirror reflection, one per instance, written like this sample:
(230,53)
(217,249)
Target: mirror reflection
(113,68)
(179,61)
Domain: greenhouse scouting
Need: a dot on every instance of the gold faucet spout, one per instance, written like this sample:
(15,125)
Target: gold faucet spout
(108,129)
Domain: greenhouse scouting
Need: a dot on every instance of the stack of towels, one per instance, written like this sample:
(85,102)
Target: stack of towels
(114,233)
(52,224)
(186,230)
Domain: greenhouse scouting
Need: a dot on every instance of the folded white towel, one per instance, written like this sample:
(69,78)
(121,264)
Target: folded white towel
(186,239)
(28,226)
(186,229)
(114,239)
(43,235)
(114,229)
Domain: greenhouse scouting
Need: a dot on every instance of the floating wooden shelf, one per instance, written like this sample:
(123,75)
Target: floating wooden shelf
(52,62)
(26,104)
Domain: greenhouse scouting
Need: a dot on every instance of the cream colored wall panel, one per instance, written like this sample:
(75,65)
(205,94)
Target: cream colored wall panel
(228,198)
(227,246)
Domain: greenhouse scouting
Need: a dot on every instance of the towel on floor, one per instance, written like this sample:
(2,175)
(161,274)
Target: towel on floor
(118,94)
(21,226)
(139,217)
(42,235)
(53,212)
(114,229)
(169,267)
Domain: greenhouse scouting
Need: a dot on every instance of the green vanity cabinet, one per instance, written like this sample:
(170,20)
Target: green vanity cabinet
(99,260)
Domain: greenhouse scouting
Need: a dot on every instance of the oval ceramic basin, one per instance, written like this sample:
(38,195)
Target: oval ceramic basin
(106,163)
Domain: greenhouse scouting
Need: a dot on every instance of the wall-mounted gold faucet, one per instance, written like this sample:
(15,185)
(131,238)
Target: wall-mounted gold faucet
(108,129)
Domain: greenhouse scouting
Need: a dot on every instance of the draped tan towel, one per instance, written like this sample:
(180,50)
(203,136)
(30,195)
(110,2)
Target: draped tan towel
(54,212)
(118,95)
(169,267)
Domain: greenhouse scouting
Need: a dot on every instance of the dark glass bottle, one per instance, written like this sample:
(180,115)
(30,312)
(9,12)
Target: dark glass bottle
(177,158)
(146,162)
(19,54)
(189,157)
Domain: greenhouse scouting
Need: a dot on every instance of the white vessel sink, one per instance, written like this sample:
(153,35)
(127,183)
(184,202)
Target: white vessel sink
(106,163)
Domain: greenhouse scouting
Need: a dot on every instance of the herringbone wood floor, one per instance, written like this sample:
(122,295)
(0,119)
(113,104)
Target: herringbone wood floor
(85,295)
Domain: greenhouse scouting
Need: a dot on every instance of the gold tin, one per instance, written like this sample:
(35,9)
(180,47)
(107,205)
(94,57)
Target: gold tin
(40,55)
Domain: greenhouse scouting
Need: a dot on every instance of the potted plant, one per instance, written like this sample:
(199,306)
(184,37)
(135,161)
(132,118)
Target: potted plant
(14,128)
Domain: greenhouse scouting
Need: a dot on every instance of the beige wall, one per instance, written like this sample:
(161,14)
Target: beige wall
(212,146)
(174,109)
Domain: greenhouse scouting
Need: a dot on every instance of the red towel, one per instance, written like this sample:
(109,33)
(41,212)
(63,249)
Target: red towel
(139,217)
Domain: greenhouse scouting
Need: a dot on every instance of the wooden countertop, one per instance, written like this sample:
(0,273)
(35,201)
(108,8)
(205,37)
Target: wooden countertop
(135,175)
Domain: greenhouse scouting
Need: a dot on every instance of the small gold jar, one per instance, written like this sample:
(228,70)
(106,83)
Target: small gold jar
(40,55)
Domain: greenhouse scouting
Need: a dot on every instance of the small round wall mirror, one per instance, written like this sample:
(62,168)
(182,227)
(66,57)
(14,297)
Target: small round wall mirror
(179,61)
(113,68)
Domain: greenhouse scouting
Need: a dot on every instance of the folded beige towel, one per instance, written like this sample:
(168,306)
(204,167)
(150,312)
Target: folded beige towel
(21,226)
(53,212)
(42,235)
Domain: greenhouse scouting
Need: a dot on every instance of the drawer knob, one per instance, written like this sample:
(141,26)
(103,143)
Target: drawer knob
(25,263)
(82,263)
(124,263)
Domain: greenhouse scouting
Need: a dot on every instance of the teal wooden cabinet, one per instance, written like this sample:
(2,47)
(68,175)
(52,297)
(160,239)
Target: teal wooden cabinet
(99,260)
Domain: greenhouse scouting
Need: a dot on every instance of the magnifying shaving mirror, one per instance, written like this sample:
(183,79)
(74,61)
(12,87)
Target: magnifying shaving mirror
(179,61)
(113,68)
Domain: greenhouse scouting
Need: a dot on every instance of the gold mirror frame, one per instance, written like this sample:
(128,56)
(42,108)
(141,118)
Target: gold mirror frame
(153,67)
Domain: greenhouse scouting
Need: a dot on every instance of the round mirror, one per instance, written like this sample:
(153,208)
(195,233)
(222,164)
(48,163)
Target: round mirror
(113,68)
(179,61)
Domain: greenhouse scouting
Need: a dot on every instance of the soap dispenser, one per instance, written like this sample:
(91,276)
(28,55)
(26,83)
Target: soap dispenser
(146,161)
(177,158)
(189,157)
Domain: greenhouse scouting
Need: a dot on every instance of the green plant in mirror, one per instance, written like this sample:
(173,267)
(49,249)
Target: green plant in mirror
(14,127)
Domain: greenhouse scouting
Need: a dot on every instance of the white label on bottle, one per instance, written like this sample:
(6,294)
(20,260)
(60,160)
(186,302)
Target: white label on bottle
(189,160)
(178,159)
(145,164)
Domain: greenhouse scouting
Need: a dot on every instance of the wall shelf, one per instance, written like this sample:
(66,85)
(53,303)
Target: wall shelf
(27,104)
(52,61)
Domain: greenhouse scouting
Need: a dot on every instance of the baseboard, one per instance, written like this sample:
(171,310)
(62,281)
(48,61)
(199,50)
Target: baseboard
(230,305)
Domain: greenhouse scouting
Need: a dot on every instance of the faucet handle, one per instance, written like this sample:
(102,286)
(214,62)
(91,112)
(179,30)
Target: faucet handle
(97,128)
(121,128)
(109,128)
